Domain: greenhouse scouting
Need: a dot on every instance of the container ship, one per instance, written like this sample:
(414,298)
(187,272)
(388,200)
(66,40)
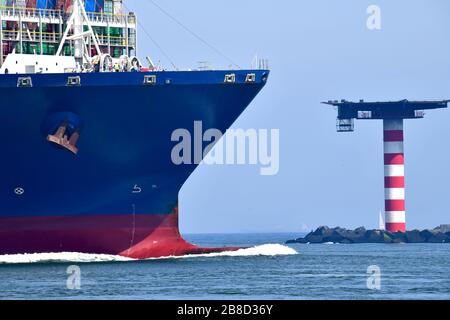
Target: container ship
(85,161)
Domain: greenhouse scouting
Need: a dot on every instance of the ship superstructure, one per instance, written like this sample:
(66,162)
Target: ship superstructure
(77,35)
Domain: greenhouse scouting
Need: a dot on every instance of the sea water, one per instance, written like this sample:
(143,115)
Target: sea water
(268,269)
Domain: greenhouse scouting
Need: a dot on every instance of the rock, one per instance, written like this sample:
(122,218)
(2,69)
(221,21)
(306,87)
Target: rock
(312,238)
(387,237)
(357,235)
(374,236)
(320,235)
(298,240)
(334,239)
(438,238)
(399,237)
(414,237)
(427,234)
(352,236)
(325,234)
(360,230)
(322,231)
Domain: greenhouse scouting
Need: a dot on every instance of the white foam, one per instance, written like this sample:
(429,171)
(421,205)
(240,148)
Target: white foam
(264,250)
(75,257)
(59,257)
(261,250)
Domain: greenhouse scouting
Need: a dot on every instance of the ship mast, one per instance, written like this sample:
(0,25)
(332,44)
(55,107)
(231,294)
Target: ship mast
(77,33)
(76,22)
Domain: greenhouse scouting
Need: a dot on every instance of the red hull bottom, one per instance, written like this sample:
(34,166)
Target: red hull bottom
(133,236)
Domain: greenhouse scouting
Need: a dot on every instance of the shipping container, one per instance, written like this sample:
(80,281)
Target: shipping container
(11,25)
(115,32)
(63,4)
(108,7)
(90,6)
(47,27)
(33,48)
(51,49)
(117,52)
(99,5)
(19,49)
(10,3)
(45,4)
(117,6)
(31,5)
(68,51)
(20,3)
(6,48)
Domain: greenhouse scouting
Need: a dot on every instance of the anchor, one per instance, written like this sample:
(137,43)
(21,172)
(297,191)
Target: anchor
(61,138)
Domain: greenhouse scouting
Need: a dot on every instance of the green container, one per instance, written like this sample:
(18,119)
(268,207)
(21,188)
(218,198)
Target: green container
(115,32)
(22,49)
(67,51)
(99,30)
(45,48)
(31,47)
(51,49)
(117,52)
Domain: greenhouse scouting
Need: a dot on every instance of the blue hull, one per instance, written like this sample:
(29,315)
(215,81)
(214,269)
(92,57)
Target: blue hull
(125,139)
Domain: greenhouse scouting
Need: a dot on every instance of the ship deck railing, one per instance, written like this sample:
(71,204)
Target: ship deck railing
(17,14)
(115,40)
(53,16)
(55,37)
(99,18)
(31,36)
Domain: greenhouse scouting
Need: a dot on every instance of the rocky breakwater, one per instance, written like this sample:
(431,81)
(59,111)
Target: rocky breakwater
(325,234)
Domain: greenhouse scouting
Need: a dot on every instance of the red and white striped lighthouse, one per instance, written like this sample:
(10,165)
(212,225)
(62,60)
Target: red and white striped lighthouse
(392,113)
(394,175)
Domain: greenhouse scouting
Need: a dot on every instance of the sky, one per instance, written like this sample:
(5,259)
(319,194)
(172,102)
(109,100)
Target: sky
(318,50)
